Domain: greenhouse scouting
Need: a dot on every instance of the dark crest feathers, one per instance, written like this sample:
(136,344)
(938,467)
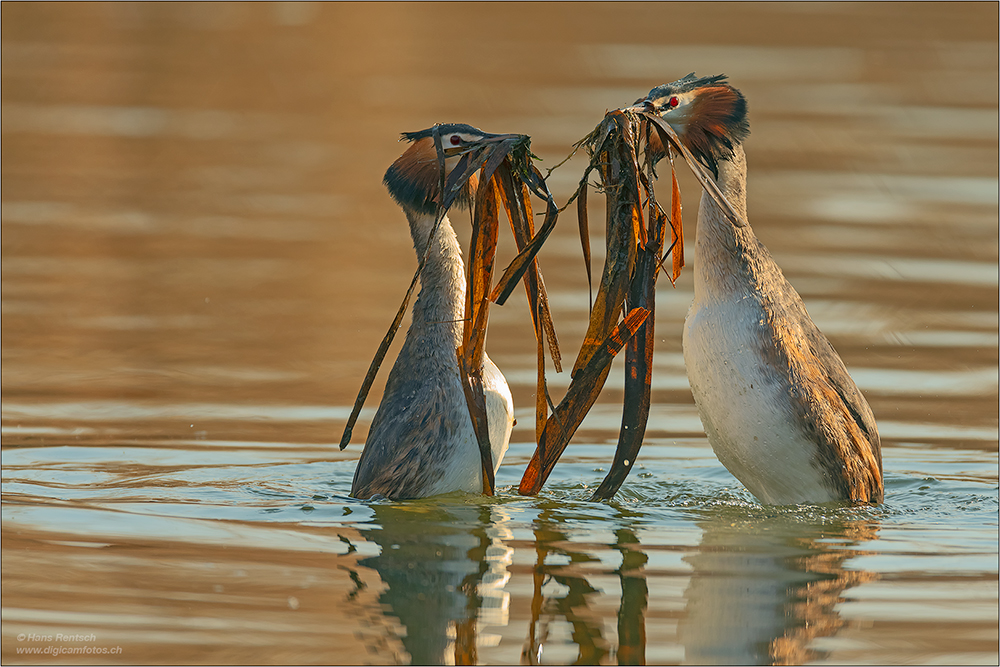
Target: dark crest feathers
(443,128)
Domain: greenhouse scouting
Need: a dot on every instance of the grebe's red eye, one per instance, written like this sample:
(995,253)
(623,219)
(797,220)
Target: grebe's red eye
(672,102)
(455,140)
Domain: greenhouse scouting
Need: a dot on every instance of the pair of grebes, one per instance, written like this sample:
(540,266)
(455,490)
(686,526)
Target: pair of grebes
(779,407)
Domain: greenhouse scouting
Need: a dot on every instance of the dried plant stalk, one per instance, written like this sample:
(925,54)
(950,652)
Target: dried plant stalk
(582,219)
(676,230)
(579,398)
(471,352)
(635,242)
(517,202)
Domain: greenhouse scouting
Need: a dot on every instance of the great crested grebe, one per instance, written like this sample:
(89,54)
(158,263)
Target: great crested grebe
(421,442)
(777,403)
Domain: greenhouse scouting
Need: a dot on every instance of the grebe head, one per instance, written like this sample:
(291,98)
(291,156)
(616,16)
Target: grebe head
(708,115)
(414,179)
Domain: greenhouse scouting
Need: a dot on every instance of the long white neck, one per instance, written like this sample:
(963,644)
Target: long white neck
(436,329)
(722,250)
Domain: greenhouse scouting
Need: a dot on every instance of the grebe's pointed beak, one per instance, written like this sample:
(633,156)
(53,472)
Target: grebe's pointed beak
(494,138)
(641,104)
(482,142)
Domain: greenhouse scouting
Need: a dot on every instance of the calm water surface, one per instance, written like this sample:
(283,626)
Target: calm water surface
(199,260)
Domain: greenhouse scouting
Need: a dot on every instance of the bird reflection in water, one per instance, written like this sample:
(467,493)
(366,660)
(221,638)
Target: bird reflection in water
(444,567)
(760,592)
(763,589)
(760,588)
(552,539)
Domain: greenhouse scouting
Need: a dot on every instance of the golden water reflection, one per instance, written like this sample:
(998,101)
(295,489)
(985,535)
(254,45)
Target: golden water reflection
(759,592)
(762,591)
(199,260)
(444,571)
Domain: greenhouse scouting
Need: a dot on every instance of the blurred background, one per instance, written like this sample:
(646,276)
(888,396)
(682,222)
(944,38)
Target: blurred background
(199,261)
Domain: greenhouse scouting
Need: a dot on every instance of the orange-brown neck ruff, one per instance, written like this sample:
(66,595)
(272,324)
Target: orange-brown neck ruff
(414,179)
(709,116)
(716,120)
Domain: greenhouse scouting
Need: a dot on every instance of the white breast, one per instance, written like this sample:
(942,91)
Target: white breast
(499,410)
(745,406)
